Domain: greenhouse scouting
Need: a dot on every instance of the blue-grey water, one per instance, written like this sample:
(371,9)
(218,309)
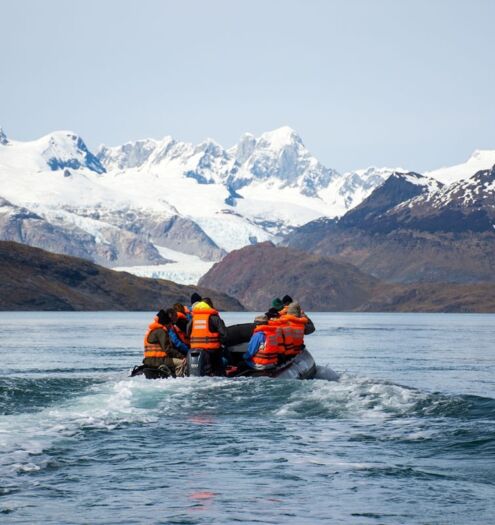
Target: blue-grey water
(406,436)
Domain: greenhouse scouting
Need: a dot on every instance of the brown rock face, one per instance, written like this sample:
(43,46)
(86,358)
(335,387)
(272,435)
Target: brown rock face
(256,274)
(33,279)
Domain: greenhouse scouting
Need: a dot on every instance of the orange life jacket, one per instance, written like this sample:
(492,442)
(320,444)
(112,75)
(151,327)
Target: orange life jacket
(267,354)
(286,339)
(201,337)
(154,349)
(297,325)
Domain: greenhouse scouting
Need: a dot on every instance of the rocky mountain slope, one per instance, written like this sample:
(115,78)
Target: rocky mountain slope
(256,274)
(407,232)
(34,279)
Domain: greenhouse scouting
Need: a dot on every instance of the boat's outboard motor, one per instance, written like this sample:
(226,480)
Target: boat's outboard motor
(196,362)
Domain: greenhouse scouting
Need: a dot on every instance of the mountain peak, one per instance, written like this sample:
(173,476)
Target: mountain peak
(3,137)
(398,188)
(480,155)
(66,149)
(281,137)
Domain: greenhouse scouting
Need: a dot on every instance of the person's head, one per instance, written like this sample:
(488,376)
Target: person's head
(294,308)
(195,297)
(260,319)
(272,313)
(208,301)
(277,304)
(172,313)
(163,317)
(286,300)
(178,307)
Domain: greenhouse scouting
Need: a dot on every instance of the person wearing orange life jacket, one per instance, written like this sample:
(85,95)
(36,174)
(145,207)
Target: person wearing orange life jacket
(158,349)
(266,343)
(207,332)
(300,325)
(287,301)
(177,337)
(264,348)
(183,316)
(286,337)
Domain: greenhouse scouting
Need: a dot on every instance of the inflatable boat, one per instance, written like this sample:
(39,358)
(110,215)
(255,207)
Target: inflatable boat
(302,366)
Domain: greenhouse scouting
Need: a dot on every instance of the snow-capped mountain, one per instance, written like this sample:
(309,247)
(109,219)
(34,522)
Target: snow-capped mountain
(479,160)
(465,205)
(413,228)
(279,158)
(138,204)
(400,187)
(271,183)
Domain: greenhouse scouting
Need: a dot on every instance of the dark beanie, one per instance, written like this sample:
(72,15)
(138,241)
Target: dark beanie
(277,304)
(272,313)
(286,299)
(163,317)
(195,297)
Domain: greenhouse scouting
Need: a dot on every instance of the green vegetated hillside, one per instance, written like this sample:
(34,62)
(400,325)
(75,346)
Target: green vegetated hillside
(33,279)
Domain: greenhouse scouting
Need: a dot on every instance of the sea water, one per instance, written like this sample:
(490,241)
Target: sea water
(405,436)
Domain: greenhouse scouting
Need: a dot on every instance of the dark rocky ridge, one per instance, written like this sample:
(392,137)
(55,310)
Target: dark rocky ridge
(465,206)
(256,274)
(33,279)
(445,235)
(398,188)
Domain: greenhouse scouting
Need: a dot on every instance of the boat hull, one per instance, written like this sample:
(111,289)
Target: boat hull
(302,366)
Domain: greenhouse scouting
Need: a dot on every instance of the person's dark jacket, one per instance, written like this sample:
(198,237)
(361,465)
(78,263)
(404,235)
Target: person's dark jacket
(160,336)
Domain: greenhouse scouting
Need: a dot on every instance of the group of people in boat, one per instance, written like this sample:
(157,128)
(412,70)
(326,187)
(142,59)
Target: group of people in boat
(277,337)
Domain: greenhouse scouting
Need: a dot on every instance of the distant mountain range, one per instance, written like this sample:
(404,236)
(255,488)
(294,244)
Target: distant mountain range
(256,274)
(166,208)
(119,206)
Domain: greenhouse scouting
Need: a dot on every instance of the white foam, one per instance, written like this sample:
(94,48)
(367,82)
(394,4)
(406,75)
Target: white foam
(352,396)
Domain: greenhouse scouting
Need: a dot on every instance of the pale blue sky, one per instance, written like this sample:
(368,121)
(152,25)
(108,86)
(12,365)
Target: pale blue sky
(364,82)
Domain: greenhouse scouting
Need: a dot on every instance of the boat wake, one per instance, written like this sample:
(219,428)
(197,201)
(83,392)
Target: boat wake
(402,412)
